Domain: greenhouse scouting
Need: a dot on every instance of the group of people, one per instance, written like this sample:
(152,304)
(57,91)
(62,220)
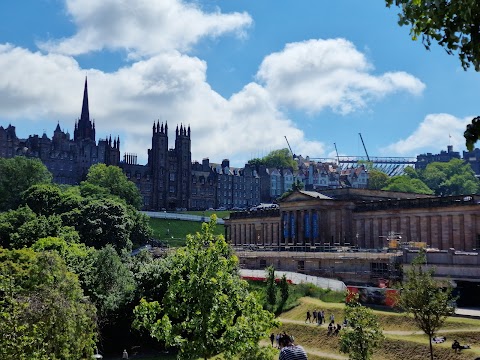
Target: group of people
(276,338)
(457,347)
(288,349)
(335,329)
(318,317)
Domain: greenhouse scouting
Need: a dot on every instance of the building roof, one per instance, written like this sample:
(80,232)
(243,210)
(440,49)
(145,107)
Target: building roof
(315,195)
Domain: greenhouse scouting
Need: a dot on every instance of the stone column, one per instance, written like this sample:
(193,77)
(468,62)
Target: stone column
(301,227)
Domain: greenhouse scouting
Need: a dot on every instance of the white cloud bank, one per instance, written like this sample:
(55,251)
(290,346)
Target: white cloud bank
(435,129)
(167,84)
(143,27)
(317,74)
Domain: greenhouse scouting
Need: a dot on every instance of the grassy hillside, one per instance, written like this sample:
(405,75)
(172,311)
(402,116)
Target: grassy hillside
(174,232)
(403,340)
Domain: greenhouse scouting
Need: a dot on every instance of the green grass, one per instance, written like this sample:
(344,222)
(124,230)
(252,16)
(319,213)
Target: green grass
(296,292)
(410,345)
(174,232)
(220,213)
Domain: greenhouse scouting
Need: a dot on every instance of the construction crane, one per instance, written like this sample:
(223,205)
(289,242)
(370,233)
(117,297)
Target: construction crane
(338,158)
(293,155)
(364,147)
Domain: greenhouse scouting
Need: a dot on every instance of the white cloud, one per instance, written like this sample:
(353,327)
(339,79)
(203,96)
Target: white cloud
(317,74)
(143,27)
(166,84)
(171,87)
(434,132)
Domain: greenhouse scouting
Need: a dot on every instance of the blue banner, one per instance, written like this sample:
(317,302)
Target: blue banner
(315,224)
(307,225)
(285,226)
(292,223)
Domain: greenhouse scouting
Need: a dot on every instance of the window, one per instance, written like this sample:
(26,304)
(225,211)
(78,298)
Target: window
(263,263)
(378,268)
(301,265)
(172,176)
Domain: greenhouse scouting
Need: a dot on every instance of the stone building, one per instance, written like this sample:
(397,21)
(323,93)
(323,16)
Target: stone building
(340,233)
(67,159)
(222,186)
(165,181)
(444,156)
(362,219)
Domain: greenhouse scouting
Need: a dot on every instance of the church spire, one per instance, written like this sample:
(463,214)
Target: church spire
(85,130)
(85,112)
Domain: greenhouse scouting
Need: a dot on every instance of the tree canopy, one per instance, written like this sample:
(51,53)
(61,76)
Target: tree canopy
(206,309)
(114,180)
(363,333)
(377,179)
(451,178)
(453,24)
(406,184)
(44,313)
(440,178)
(281,158)
(17,175)
(429,301)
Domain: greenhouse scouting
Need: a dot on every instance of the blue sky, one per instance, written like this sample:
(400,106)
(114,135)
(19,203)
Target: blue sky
(242,74)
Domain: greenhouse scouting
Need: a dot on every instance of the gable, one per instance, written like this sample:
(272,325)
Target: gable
(305,196)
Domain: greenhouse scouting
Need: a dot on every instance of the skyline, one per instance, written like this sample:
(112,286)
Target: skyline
(242,75)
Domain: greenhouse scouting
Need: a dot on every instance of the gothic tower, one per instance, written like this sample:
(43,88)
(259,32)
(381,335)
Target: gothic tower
(84,129)
(158,162)
(183,166)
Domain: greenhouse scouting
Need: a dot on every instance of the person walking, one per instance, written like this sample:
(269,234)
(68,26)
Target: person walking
(322,317)
(272,338)
(290,351)
(125,354)
(309,317)
(331,328)
(315,316)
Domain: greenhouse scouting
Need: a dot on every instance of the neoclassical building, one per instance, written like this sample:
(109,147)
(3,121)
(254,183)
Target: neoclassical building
(361,218)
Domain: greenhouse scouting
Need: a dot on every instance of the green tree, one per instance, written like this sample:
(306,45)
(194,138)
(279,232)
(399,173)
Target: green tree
(377,179)
(281,158)
(102,222)
(429,301)
(407,184)
(112,286)
(44,314)
(271,288)
(78,258)
(113,179)
(43,199)
(454,25)
(22,227)
(207,309)
(363,333)
(284,290)
(451,178)
(17,175)
(140,230)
